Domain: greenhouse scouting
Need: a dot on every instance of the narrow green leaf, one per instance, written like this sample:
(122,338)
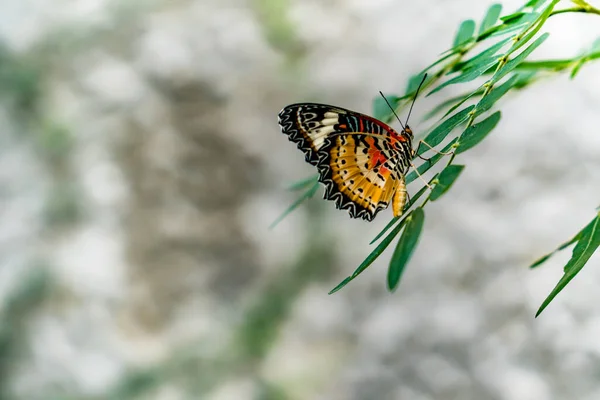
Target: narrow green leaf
(581,3)
(405,247)
(438,135)
(476,133)
(413,84)
(577,67)
(372,256)
(341,284)
(387,227)
(563,246)
(488,101)
(512,64)
(381,110)
(556,65)
(524,78)
(445,180)
(477,92)
(469,75)
(491,16)
(535,3)
(533,29)
(501,30)
(307,195)
(465,32)
(583,250)
(428,164)
(438,61)
(304,183)
(412,201)
(507,19)
(485,54)
(455,101)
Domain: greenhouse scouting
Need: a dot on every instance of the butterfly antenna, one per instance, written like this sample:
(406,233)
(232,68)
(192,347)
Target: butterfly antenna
(415,98)
(392,108)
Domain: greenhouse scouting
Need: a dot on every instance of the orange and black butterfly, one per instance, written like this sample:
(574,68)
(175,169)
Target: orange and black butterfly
(361,161)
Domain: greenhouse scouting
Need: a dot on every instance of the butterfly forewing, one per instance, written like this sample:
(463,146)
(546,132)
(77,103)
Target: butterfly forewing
(308,125)
(361,160)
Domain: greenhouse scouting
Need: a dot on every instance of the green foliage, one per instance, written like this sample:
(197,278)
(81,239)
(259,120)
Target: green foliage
(475,133)
(405,247)
(54,143)
(587,241)
(445,181)
(20,82)
(21,303)
(499,66)
(277,28)
(63,207)
(465,33)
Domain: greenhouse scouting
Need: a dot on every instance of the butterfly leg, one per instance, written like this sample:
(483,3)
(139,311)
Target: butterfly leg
(399,199)
(420,176)
(432,149)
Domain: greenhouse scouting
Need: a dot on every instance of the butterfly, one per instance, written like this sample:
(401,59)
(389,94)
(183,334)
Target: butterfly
(362,162)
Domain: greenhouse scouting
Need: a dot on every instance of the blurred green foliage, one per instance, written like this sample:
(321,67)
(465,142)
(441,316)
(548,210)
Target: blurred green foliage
(24,300)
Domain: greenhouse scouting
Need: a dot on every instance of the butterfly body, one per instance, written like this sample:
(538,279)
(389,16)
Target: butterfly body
(361,160)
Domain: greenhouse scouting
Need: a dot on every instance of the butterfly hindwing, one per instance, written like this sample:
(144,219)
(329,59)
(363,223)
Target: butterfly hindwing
(360,174)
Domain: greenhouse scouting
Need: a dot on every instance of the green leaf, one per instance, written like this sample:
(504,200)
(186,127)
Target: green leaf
(485,54)
(510,24)
(413,200)
(577,67)
(445,180)
(307,195)
(428,164)
(532,29)
(586,246)
(507,19)
(476,133)
(413,84)
(304,183)
(535,3)
(470,74)
(491,16)
(556,65)
(524,78)
(465,32)
(563,246)
(501,30)
(512,64)
(477,92)
(405,247)
(438,61)
(455,101)
(381,110)
(438,135)
(371,257)
(488,101)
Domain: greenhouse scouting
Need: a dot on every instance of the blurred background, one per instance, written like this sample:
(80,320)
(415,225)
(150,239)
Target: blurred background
(141,165)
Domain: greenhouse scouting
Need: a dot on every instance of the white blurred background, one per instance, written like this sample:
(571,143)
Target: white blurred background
(141,165)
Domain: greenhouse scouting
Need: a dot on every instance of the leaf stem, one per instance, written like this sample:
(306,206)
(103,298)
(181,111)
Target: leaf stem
(587,10)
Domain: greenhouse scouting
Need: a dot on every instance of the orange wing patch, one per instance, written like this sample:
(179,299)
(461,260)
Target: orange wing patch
(359,176)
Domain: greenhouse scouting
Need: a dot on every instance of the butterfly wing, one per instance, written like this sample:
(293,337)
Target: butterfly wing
(361,176)
(309,124)
(358,157)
